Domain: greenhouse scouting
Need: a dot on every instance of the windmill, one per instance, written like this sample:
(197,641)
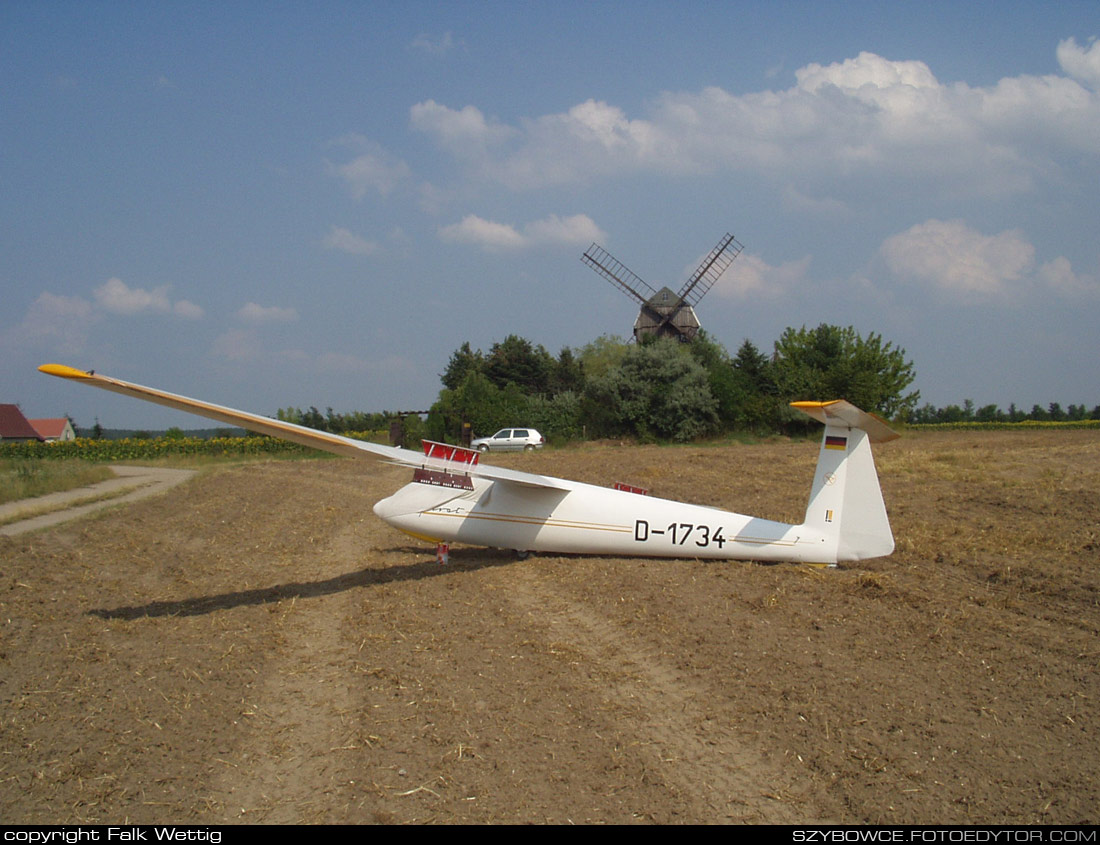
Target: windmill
(664,313)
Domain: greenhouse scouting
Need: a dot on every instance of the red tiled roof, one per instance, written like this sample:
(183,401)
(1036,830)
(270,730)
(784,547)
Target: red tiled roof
(14,426)
(50,427)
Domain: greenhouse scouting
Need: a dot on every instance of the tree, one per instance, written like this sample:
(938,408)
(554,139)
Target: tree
(988,413)
(659,391)
(759,407)
(313,419)
(567,374)
(515,360)
(831,362)
(463,362)
(603,354)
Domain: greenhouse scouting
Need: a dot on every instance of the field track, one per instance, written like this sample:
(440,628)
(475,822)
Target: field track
(255,646)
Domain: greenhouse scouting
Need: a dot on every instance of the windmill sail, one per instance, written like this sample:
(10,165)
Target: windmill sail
(608,266)
(713,266)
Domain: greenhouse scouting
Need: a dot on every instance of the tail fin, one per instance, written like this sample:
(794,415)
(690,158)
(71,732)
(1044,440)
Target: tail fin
(846,501)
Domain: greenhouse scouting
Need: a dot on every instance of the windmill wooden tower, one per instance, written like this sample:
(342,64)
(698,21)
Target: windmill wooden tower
(664,313)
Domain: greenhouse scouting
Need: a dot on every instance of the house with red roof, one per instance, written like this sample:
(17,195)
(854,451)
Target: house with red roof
(15,426)
(54,429)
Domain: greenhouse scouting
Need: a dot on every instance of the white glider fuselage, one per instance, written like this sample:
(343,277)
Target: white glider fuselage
(587,519)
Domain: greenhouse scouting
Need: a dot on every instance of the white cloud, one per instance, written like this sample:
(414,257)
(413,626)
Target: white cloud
(1081,63)
(959,261)
(118,298)
(186,309)
(240,345)
(435,45)
(867,72)
(61,322)
(868,116)
(115,296)
(374,169)
(795,200)
(1059,276)
(465,132)
(484,233)
(252,313)
(493,237)
(578,229)
(751,276)
(346,241)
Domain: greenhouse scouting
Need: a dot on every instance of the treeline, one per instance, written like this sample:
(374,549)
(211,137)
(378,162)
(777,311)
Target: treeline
(928,414)
(367,426)
(665,390)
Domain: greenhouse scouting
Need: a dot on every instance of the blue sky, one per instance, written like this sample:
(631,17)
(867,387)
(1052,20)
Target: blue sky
(273,204)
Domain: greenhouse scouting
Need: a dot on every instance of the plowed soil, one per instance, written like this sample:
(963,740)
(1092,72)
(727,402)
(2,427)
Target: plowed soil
(255,645)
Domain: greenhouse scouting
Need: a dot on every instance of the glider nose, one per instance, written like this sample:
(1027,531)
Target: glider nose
(389,508)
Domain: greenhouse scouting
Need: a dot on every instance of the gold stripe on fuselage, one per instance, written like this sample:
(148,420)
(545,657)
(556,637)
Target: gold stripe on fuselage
(532,520)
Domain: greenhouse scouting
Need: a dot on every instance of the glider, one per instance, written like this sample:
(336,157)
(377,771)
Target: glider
(453,497)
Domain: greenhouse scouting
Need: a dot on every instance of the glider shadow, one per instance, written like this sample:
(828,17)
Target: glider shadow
(466,560)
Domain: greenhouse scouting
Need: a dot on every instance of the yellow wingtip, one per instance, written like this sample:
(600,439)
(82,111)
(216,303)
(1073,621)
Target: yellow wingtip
(62,371)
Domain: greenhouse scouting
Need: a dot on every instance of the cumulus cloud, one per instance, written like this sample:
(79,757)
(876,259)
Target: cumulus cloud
(578,229)
(373,169)
(752,276)
(867,72)
(239,345)
(186,309)
(484,233)
(950,256)
(252,313)
(1058,275)
(465,132)
(345,241)
(953,258)
(494,237)
(435,45)
(63,323)
(116,297)
(60,322)
(796,200)
(1083,64)
(867,115)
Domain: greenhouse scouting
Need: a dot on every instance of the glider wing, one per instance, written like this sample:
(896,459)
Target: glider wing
(301,434)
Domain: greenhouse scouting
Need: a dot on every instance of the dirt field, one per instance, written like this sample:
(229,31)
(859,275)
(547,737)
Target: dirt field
(255,645)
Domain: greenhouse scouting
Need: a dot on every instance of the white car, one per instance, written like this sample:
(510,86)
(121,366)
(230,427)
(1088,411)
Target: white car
(510,440)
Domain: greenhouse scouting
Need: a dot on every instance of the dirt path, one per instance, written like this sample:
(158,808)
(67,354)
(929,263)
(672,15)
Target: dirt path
(131,484)
(262,648)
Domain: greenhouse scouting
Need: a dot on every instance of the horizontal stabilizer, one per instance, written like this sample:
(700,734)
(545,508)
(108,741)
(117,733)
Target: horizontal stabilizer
(841,412)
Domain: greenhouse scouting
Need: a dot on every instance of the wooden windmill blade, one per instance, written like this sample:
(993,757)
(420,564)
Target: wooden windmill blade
(604,263)
(713,266)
